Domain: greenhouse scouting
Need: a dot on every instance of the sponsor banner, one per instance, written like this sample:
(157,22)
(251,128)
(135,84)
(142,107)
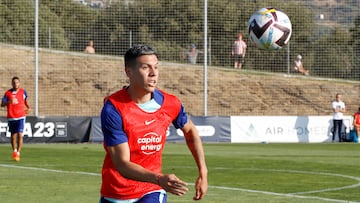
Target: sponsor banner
(95,131)
(211,129)
(237,129)
(50,129)
(283,129)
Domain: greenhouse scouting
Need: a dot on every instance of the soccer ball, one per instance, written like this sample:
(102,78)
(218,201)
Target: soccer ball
(269,28)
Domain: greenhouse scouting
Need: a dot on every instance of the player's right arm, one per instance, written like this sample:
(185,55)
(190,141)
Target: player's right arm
(4,101)
(120,156)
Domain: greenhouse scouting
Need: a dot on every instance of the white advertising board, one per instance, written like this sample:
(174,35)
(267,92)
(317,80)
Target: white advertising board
(283,129)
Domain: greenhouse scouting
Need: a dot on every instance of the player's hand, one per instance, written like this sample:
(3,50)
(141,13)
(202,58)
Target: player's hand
(173,184)
(28,110)
(201,187)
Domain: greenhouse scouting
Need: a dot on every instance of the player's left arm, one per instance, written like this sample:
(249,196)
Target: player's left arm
(344,109)
(194,143)
(28,108)
(26,103)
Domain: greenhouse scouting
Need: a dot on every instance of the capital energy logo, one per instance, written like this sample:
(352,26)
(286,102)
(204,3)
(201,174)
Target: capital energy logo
(150,143)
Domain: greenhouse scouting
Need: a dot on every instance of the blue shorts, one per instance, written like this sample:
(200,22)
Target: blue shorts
(16,126)
(153,197)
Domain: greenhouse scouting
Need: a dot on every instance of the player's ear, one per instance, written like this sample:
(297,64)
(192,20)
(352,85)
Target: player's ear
(128,71)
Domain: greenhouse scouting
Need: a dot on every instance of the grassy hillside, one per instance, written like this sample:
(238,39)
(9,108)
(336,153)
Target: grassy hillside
(74,84)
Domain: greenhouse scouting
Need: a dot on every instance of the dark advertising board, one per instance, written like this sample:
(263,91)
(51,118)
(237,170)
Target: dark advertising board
(50,129)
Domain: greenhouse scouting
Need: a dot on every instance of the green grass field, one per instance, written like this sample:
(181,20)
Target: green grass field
(237,172)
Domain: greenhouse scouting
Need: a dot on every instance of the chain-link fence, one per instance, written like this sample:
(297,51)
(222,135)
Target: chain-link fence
(73,80)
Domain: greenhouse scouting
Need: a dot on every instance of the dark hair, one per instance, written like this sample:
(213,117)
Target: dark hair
(134,52)
(15,78)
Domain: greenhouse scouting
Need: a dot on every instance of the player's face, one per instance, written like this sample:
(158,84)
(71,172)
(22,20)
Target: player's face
(145,76)
(15,84)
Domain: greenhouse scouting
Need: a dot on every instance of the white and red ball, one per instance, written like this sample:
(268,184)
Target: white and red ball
(269,28)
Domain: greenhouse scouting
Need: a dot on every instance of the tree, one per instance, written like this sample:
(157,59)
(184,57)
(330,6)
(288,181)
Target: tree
(15,28)
(334,55)
(355,41)
(74,18)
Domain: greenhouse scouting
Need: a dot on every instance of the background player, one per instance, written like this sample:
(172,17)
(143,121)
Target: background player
(15,99)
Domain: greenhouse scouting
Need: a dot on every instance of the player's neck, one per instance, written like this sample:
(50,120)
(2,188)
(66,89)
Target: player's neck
(139,97)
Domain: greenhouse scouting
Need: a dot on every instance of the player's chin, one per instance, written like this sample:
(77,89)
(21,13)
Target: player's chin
(150,89)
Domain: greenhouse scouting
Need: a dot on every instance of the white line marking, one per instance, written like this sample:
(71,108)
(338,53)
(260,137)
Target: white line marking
(49,170)
(295,195)
(315,173)
(280,194)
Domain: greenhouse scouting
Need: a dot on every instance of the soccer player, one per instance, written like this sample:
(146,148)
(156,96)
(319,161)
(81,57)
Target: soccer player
(134,122)
(15,99)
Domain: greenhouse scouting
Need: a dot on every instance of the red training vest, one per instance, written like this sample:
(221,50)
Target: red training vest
(16,110)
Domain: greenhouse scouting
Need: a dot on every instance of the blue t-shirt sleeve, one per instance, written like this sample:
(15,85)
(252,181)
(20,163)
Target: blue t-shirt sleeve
(111,125)
(4,99)
(181,119)
(25,95)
